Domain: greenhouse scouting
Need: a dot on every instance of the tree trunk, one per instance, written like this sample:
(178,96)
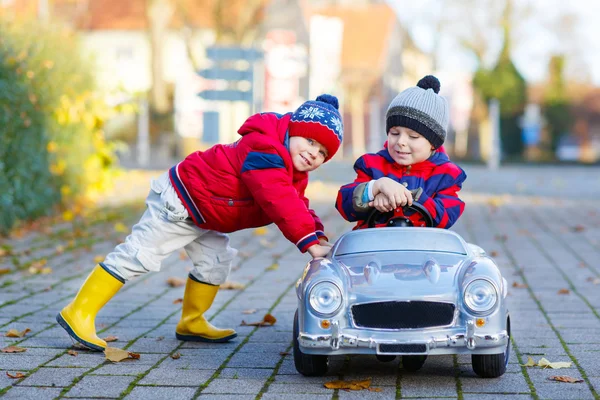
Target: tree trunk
(159,14)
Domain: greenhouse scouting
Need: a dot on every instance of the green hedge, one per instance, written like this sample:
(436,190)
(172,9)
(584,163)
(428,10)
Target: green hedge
(52,148)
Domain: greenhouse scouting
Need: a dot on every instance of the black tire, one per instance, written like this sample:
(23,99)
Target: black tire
(307,364)
(413,363)
(492,365)
(385,357)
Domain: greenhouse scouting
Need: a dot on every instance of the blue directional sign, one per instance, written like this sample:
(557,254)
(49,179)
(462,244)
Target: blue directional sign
(226,95)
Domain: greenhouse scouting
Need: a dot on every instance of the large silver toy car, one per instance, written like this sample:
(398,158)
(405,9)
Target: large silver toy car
(403,291)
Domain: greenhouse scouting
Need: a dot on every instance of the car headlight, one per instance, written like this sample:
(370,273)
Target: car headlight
(480,296)
(325,298)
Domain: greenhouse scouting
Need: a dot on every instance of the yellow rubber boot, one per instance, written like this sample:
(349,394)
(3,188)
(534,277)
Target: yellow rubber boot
(193,326)
(79,317)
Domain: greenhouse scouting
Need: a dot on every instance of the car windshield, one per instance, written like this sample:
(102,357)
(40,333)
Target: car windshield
(429,240)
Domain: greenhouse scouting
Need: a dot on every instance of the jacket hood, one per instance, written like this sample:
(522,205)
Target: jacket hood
(270,124)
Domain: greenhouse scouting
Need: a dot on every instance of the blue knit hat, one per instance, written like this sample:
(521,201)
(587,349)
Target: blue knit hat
(319,120)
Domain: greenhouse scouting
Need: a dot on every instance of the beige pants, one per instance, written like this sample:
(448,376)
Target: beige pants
(165,228)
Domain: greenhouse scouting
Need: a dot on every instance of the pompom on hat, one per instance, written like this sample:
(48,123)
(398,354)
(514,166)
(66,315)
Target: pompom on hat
(320,120)
(421,109)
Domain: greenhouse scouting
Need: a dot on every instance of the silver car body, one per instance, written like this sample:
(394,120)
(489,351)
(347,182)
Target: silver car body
(395,280)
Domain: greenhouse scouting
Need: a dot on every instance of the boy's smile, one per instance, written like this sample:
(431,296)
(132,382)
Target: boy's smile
(407,147)
(307,154)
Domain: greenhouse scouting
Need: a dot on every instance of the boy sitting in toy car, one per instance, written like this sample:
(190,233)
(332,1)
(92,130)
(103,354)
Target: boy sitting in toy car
(412,166)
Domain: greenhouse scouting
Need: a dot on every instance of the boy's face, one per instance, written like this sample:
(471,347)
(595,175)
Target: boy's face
(307,154)
(408,147)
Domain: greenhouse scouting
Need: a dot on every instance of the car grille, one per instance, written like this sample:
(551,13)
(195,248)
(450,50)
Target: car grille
(402,314)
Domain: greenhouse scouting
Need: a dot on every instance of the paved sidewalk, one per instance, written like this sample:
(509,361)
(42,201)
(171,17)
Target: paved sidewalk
(544,239)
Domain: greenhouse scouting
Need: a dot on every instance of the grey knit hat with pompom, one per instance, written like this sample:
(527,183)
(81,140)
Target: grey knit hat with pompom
(421,109)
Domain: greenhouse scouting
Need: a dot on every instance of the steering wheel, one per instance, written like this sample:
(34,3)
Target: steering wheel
(401,220)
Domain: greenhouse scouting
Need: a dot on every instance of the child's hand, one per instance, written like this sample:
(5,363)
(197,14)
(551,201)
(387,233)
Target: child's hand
(317,250)
(396,195)
(324,242)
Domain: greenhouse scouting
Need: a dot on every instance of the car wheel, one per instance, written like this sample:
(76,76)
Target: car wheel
(492,365)
(307,364)
(413,363)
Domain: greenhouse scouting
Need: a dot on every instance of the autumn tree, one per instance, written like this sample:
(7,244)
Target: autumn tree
(556,108)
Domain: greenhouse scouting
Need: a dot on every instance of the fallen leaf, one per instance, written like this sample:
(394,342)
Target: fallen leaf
(273,267)
(115,355)
(263,230)
(578,228)
(18,375)
(564,291)
(564,378)
(178,301)
(111,338)
(284,353)
(268,320)
(519,285)
(501,238)
(98,259)
(529,363)
(232,286)
(60,249)
(4,271)
(351,385)
(250,311)
(371,389)
(176,356)
(16,334)
(3,252)
(121,227)
(595,281)
(493,253)
(13,349)
(554,365)
(183,255)
(72,353)
(158,339)
(175,282)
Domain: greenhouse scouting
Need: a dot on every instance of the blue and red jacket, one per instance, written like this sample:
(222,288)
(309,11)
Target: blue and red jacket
(440,179)
(249,183)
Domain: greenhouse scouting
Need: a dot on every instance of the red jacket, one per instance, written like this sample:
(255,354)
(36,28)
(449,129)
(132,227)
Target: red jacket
(249,183)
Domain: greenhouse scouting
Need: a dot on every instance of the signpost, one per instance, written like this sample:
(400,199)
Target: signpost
(232,74)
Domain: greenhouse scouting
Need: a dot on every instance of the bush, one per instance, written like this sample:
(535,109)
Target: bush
(52,148)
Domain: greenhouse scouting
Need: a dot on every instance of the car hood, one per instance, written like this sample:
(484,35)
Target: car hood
(402,276)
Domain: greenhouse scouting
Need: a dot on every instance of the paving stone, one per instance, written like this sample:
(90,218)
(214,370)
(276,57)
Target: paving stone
(169,377)
(291,396)
(210,396)
(60,377)
(296,388)
(20,361)
(384,393)
(235,386)
(195,362)
(82,360)
(161,393)
(100,386)
(166,345)
(426,385)
(500,396)
(31,393)
(246,373)
(250,360)
(508,383)
(268,348)
(128,368)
